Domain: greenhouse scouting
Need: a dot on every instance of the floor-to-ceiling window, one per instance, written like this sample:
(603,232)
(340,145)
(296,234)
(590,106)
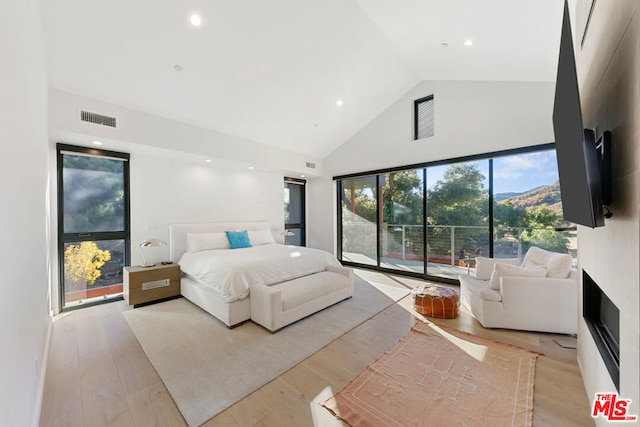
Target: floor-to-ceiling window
(457,216)
(527,207)
(93,224)
(433,220)
(359,212)
(401,229)
(294,212)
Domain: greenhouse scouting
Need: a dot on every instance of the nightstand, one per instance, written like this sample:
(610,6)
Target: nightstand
(144,285)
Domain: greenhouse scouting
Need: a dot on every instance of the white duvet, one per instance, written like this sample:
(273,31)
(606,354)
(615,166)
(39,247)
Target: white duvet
(231,272)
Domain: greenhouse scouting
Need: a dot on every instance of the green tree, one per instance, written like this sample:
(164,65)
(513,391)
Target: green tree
(460,198)
(359,200)
(402,198)
(93,194)
(541,217)
(541,223)
(505,215)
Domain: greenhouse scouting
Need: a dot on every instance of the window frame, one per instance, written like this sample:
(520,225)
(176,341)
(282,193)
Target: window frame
(302,225)
(484,156)
(64,237)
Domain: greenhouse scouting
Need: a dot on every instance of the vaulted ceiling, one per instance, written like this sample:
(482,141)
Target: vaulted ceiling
(275,71)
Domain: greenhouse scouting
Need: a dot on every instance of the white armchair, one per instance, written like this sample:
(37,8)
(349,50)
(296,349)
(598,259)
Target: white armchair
(540,295)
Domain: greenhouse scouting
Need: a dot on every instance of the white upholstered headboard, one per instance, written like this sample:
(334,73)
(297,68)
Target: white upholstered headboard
(178,233)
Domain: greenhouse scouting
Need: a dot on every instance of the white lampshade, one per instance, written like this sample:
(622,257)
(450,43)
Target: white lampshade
(152,242)
(147,244)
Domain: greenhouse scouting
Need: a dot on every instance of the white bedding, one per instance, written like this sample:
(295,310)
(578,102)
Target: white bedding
(231,272)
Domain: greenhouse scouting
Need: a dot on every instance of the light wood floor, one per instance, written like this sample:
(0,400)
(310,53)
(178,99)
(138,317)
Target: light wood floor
(98,375)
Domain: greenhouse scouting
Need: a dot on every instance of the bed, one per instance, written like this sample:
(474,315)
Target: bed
(218,280)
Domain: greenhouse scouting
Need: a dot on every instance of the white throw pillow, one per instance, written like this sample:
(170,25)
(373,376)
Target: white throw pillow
(260,237)
(558,265)
(503,270)
(484,266)
(536,257)
(206,241)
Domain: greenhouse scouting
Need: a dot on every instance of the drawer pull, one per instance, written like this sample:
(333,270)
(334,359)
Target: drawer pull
(155,284)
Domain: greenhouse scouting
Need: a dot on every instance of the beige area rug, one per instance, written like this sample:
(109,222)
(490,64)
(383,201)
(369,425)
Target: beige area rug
(436,376)
(207,367)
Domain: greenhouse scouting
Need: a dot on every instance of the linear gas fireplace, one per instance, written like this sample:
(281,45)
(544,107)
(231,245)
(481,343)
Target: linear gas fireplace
(603,319)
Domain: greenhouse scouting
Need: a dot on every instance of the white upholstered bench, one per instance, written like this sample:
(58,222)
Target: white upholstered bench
(281,304)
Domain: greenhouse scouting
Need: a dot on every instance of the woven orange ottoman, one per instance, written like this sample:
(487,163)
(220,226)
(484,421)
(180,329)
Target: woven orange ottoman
(436,301)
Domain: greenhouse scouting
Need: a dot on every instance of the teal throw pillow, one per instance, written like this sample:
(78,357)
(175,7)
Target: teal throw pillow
(238,239)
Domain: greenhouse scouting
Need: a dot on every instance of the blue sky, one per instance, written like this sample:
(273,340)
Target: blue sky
(524,172)
(511,174)
(517,174)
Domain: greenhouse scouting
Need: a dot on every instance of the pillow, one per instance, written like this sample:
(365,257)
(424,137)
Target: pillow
(206,241)
(484,266)
(558,265)
(502,270)
(260,237)
(535,257)
(238,239)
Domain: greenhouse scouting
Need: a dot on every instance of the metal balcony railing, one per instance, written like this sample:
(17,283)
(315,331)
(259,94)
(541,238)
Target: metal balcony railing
(451,244)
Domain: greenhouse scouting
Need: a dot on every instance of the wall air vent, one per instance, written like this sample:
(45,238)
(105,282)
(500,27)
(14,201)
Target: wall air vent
(311,165)
(98,119)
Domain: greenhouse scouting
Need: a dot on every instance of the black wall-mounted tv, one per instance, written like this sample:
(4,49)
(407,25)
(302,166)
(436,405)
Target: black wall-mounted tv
(579,161)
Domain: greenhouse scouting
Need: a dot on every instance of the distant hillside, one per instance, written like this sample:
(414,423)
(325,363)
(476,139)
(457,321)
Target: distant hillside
(504,196)
(546,194)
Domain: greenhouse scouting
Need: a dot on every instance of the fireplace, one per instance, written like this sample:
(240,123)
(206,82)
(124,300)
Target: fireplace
(603,319)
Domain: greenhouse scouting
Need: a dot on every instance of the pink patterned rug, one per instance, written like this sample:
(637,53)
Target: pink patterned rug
(438,376)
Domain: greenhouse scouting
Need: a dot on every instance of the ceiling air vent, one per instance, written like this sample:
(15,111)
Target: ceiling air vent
(98,119)
(311,165)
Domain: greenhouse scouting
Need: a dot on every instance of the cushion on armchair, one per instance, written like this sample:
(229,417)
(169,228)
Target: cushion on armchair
(538,295)
(501,270)
(484,266)
(558,265)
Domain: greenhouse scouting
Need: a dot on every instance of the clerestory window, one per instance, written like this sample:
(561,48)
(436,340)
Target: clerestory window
(424,117)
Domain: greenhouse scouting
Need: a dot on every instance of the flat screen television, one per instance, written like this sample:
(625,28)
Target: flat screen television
(580,162)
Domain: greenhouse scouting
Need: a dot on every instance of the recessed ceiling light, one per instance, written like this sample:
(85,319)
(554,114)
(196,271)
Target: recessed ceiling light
(208,160)
(195,20)
(97,143)
(339,102)
(468,42)
(251,168)
(177,67)
(301,176)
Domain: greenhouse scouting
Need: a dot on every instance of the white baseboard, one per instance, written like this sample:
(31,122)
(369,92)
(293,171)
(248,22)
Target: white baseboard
(35,422)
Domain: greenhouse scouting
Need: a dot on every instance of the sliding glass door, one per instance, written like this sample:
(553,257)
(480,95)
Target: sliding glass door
(527,206)
(457,216)
(401,229)
(433,221)
(359,213)
(93,224)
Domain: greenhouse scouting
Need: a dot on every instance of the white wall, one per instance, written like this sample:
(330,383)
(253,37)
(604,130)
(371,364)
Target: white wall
(24,311)
(470,118)
(166,190)
(608,65)
(154,131)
